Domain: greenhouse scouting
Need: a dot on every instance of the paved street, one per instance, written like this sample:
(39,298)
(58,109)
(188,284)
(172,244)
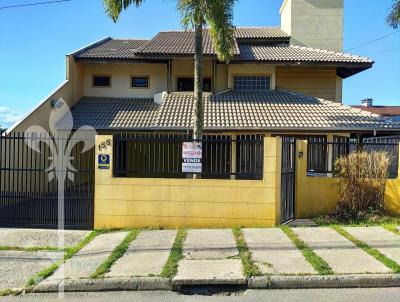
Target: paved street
(209,256)
(325,295)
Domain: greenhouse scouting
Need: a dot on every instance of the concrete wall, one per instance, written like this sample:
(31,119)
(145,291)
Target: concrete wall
(141,202)
(319,195)
(319,82)
(314,23)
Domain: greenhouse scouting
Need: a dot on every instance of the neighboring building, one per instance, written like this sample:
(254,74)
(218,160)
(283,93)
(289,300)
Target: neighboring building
(389,112)
(281,82)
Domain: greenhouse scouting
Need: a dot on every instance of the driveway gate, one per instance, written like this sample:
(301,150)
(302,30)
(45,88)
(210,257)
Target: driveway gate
(288,179)
(29,190)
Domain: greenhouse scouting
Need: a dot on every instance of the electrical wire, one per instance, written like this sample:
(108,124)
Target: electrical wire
(373,41)
(33,4)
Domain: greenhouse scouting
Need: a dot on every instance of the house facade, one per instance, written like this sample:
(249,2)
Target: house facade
(281,92)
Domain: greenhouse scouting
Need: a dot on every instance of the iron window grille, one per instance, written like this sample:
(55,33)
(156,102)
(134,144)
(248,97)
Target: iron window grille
(153,155)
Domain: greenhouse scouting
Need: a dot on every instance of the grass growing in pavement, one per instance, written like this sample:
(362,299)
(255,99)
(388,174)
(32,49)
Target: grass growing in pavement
(370,221)
(171,267)
(69,253)
(317,262)
(31,249)
(118,252)
(249,267)
(392,228)
(373,252)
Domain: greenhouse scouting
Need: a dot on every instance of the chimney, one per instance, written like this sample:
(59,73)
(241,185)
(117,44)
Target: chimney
(367,102)
(314,23)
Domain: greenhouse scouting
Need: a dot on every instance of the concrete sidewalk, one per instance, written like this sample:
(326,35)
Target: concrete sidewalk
(209,256)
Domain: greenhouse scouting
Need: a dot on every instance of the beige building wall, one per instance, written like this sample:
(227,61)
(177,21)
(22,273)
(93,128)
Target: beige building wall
(320,82)
(121,79)
(314,23)
(251,69)
(222,77)
(182,68)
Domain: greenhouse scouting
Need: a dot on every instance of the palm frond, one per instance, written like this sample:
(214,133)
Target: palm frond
(113,8)
(219,17)
(394,17)
(191,12)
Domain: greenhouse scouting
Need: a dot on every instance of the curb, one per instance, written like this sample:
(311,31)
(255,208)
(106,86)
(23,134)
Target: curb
(264,282)
(328,281)
(106,284)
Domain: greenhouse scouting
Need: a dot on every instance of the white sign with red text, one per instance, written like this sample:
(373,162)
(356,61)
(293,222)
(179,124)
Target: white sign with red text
(192,153)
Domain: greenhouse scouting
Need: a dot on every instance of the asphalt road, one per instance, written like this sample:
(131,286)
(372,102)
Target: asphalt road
(331,295)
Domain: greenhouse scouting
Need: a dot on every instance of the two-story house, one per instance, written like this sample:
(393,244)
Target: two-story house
(280,82)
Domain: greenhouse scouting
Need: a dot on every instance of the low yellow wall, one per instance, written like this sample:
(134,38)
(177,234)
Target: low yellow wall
(143,202)
(392,196)
(319,195)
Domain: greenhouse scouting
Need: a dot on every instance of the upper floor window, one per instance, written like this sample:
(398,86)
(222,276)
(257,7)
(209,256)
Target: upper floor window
(187,84)
(101,81)
(252,82)
(140,82)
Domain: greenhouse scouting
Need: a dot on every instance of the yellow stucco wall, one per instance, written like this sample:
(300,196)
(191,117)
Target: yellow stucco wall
(314,81)
(141,202)
(319,195)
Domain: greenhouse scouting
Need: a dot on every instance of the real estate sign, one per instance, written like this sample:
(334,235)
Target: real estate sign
(192,154)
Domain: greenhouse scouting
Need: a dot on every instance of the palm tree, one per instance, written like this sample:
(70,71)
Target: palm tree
(218,15)
(394,17)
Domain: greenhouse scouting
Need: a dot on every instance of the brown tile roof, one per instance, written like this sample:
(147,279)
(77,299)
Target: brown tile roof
(295,54)
(112,49)
(177,43)
(381,110)
(109,113)
(260,33)
(182,43)
(232,110)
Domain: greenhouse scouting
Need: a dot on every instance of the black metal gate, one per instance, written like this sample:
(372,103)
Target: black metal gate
(29,190)
(288,179)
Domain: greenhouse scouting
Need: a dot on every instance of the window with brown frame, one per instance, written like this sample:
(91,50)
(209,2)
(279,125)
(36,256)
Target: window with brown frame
(101,81)
(140,82)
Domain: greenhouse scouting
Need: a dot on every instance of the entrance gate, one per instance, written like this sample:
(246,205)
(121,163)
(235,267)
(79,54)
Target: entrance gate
(288,179)
(29,198)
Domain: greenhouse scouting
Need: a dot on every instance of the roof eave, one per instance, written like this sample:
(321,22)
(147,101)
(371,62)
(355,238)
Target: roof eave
(91,45)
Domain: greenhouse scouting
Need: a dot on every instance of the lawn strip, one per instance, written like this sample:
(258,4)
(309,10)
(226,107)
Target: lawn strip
(171,267)
(316,261)
(249,267)
(373,252)
(69,253)
(118,252)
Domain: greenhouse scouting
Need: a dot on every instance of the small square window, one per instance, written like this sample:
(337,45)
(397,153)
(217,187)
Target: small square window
(140,82)
(101,81)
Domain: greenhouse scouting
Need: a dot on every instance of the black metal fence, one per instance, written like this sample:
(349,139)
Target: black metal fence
(160,155)
(29,197)
(322,155)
